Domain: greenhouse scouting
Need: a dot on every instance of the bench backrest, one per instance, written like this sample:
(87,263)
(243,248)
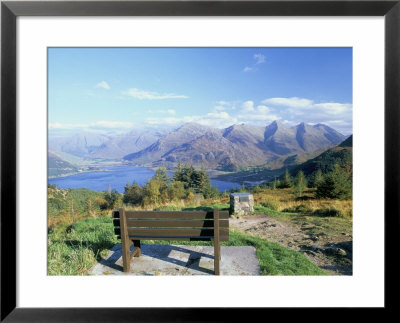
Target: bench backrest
(173,225)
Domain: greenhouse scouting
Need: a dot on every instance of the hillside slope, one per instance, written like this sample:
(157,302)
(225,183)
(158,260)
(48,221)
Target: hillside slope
(341,154)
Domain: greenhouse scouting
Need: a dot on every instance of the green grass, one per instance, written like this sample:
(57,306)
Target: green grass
(74,249)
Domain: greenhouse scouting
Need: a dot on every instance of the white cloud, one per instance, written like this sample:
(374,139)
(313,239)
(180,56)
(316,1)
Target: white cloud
(289,102)
(220,108)
(147,95)
(214,119)
(218,115)
(334,108)
(168,111)
(248,106)
(103,85)
(65,126)
(263,109)
(111,125)
(260,58)
(98,126)
(334,114)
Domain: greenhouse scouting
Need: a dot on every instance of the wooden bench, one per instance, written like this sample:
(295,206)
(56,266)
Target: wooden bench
(133,226)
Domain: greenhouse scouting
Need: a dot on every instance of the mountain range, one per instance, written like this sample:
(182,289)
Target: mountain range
(237,145)
(100,146)
(226,149)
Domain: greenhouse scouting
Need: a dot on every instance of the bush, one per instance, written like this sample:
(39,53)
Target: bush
(176,191)
(271,204)
(133,194)
(112,199)
(299,209)
(328,211)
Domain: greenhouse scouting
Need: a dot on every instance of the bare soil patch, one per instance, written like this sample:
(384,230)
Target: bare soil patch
(327,246)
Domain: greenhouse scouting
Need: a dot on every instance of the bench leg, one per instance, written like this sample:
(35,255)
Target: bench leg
(217,249)
(125,241)
(126,255)
(136,250)
(217,257)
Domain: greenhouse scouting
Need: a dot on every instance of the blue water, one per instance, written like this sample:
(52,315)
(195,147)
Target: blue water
(117,177)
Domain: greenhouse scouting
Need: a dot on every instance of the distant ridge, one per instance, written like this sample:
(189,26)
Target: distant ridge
(237,145)
(341,154)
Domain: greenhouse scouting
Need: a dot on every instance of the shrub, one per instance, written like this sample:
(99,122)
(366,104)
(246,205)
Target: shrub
(328,211)
(112,199)
(176,191)
(133,194)
(271,204)
(299,209)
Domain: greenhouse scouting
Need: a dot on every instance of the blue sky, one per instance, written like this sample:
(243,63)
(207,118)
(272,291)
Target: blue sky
(118,89)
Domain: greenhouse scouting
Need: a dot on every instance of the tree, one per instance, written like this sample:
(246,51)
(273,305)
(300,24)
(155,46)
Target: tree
(133,194)
(300,183)
(202,183)
(335,185)
(286,180)
(112,199)
(176,191)
(178,174)
(162,176)
(316,178)
(151,192)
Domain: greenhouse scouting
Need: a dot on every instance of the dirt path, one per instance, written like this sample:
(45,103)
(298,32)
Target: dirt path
(332,253)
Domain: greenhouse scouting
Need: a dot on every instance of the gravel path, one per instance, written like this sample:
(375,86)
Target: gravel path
(333,254)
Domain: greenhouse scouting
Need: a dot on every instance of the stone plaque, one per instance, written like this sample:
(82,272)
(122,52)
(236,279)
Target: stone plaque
(244,198)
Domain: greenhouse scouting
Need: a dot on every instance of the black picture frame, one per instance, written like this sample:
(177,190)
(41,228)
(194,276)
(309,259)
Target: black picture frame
(10,10)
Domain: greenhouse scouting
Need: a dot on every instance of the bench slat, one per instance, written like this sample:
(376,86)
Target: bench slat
(173,223)
(172,232)
(204,238)
(179,215)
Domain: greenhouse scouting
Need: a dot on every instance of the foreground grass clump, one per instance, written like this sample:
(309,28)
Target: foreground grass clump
(275,259)
(74,249)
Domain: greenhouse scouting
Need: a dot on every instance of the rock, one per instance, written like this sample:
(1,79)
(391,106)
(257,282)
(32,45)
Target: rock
(341,252)
(336,251)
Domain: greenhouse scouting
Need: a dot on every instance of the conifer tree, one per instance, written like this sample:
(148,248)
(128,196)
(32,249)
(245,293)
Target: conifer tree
(335,185)
(316,178)
(300,184)
(286,180)
(162,176)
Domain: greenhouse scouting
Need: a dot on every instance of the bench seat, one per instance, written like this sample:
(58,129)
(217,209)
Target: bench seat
(133,226)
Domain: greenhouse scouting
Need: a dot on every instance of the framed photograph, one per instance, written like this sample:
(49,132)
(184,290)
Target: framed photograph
(118,116)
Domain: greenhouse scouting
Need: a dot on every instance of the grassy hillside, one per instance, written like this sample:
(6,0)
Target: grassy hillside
(341,154)
(70,205)
(81,231)
(57,166)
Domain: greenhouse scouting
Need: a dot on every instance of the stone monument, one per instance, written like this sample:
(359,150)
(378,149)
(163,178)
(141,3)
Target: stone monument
(241,204)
